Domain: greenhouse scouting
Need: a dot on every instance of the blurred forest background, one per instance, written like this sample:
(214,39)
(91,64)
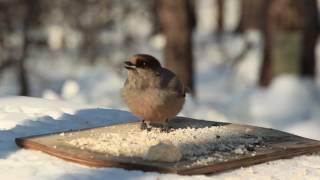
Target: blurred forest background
(109,30)
(104,33)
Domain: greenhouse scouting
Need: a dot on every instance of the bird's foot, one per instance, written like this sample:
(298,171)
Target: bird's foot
(164,127)
(145,126)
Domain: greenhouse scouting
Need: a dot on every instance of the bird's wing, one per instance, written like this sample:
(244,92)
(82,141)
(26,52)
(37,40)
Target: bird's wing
(171,82)
(178,87)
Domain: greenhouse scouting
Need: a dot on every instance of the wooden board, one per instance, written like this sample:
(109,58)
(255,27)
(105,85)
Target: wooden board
(276,145)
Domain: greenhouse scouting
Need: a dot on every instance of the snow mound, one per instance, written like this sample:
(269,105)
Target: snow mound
(288,99)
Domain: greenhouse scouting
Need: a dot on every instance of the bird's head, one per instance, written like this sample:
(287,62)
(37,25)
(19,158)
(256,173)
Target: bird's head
(142,62)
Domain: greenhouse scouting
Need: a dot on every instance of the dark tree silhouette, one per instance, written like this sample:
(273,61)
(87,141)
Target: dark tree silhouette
(30,18)
(18,16)
(266,69)
(177,26)
(290,33)
(310,35)
(251,15)
(220,16)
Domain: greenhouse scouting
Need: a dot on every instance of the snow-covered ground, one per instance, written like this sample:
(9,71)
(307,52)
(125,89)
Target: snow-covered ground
(23,116)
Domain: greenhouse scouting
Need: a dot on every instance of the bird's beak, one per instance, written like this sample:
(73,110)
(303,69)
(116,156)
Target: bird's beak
(129,65)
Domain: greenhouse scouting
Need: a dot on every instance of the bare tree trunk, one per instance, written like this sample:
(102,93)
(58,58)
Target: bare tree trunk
(240,26)
(22,72)
(21,59)
(156,15)
(290,34)
(266,69)
(310,34)
(17,55)
(251,14)
(177,27)
(220,16)
(191,13)
(89,46)
(156,27)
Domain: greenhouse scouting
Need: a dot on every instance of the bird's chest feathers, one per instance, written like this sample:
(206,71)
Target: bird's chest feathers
(143,92)
(143,81)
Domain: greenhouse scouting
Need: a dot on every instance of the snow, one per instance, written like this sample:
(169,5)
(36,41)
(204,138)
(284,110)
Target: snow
(286,94)
(24,116)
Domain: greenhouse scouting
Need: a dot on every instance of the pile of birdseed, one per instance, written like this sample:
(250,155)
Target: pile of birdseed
(179,144)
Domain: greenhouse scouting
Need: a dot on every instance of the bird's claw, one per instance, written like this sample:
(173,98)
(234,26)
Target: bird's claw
(148,126)
(143,125)
(165,128)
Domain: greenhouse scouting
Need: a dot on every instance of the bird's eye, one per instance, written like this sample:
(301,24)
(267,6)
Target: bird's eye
(144,64)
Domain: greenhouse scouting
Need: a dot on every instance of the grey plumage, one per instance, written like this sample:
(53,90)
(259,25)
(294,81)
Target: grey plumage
(151,92)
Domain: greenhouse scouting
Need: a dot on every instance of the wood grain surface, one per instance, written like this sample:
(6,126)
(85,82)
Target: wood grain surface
(277,145)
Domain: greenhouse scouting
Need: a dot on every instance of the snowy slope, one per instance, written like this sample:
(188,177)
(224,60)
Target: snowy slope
(23,116)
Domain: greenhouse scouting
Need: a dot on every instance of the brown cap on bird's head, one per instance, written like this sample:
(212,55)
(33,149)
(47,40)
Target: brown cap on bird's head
(143,61)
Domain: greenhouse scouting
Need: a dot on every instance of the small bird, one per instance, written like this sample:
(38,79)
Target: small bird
(152,92)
